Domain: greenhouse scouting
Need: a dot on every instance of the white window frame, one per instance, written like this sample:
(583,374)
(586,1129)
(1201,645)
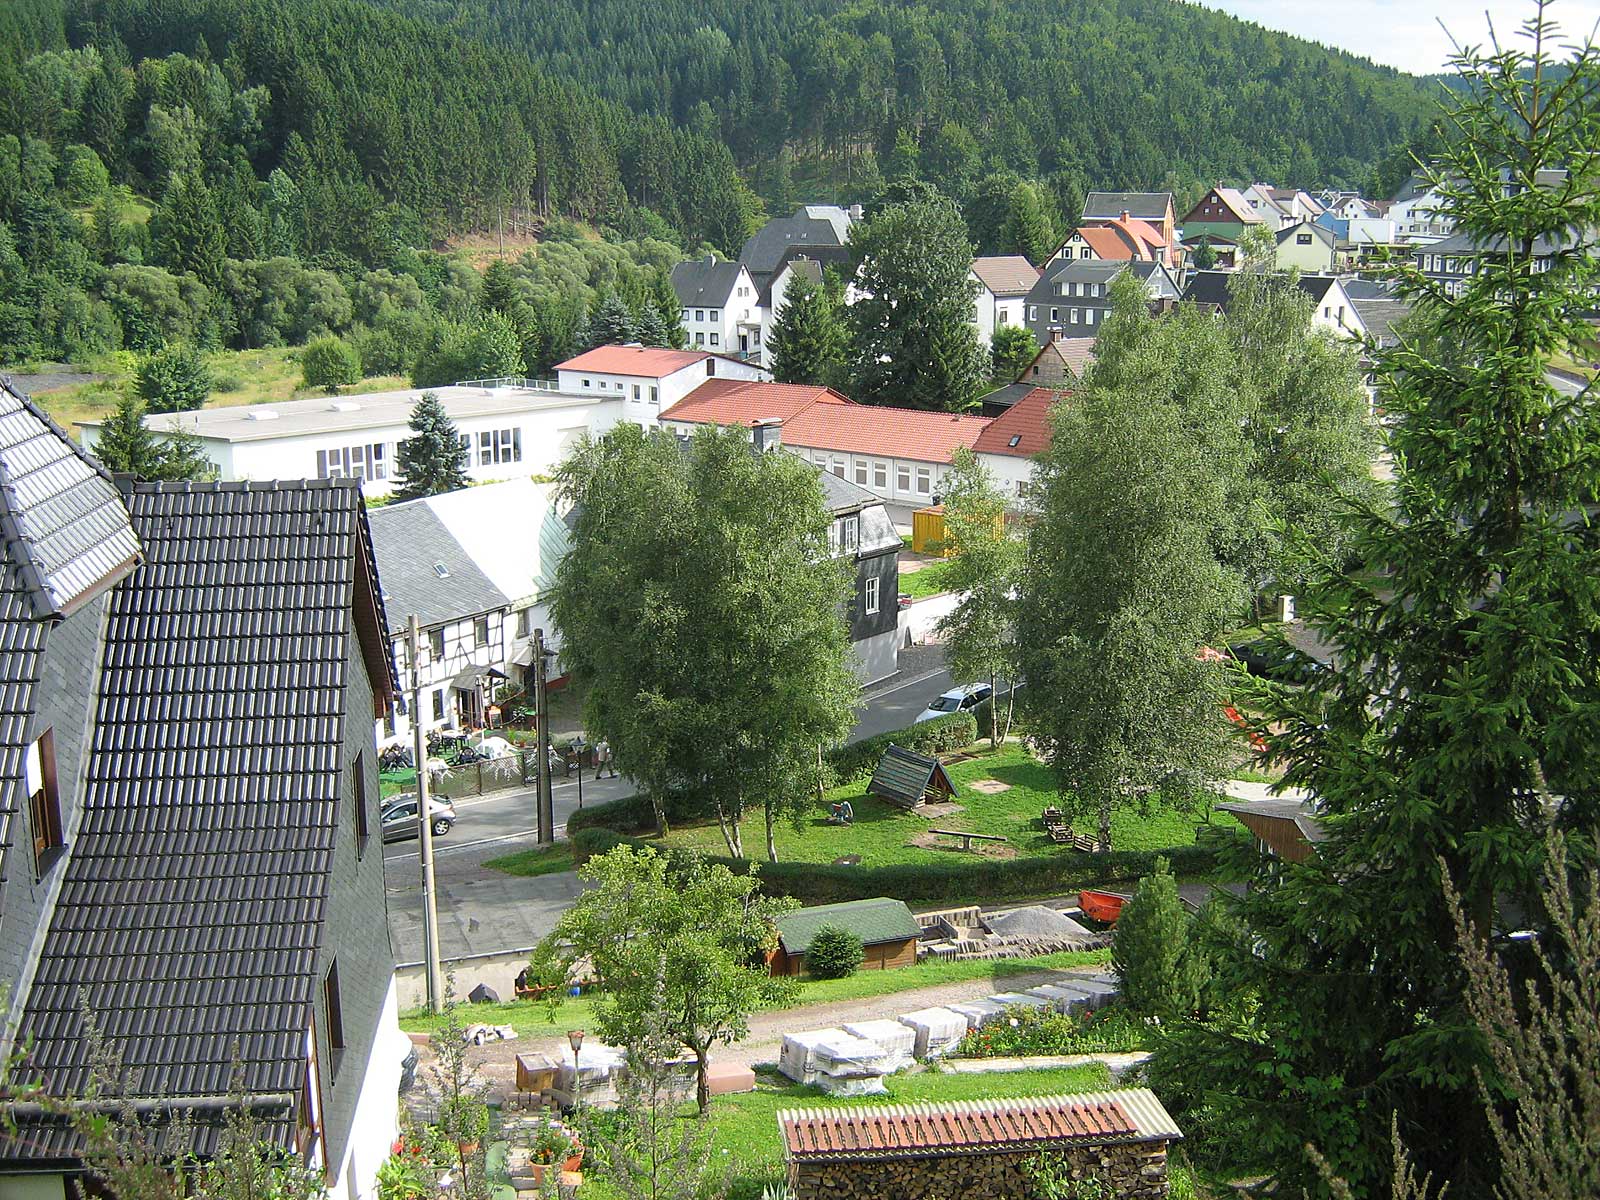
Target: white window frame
(871,599)
(880,475)
(924,481)
(902,478)
(861,472)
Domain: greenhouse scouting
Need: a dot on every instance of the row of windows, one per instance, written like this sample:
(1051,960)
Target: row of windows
(878,470)
(844,535)
(700,314)
(354,462)
(1075,316)
(1080,289)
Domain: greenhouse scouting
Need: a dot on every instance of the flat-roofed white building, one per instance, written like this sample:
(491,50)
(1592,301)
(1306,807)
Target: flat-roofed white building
(511,428)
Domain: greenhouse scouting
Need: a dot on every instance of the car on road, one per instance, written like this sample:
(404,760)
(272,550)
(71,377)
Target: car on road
(398,818)
(957,699)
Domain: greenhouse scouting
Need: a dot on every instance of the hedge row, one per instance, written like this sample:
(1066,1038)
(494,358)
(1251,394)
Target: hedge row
(938,736)
(942,883)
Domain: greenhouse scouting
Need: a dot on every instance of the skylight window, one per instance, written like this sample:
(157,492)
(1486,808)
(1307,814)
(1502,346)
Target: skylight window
(442,571)
(1015,438)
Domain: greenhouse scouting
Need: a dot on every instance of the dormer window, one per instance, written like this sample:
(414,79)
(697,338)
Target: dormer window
(44,802)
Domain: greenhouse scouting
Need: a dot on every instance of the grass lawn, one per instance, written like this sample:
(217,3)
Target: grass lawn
(533,1018)
(745,1126)
(928,581)
(538,860)
(883,833)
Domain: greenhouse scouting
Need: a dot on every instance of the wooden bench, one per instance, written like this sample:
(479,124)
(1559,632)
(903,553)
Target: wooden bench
(968,838)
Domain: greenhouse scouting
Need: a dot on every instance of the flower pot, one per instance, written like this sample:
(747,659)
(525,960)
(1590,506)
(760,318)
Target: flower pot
(574,1160)
(467,1148)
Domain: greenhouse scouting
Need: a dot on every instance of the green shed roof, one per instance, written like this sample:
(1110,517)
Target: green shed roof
(880,919)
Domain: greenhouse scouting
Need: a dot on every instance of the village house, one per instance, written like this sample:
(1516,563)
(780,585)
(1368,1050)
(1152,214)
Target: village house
(1007,448)
(188,808)
(1278,207)
(1419,214)
(1223,212)
(478,593)
(887,930)
(1311,247)
(1002,285)
(1153,208)
(1059,364)
(1072,299)
(1121,240)
(820,232)
(1451,261)
(646,379)
(1331,306)
(721,306)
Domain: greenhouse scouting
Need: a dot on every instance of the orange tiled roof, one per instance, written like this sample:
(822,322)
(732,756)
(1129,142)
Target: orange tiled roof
(741,401)
(1112,243)
(1023,430)
(648,361)
(894,1131)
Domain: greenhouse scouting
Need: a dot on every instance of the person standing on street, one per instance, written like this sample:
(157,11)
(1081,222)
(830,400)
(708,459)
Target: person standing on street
(602,759)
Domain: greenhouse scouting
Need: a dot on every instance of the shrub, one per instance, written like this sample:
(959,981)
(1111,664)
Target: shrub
(939,736)
(1162,971)
(835,953)
(173,379)
(1030,1031)
(330,362)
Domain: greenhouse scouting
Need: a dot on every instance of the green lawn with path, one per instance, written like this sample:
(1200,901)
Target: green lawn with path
(926,581)
(884,834)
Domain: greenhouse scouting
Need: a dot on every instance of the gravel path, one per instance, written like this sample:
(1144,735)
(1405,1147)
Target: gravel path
(497,1060)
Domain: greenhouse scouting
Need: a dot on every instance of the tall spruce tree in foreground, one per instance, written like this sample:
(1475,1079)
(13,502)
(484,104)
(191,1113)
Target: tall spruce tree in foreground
(913,343)
(807,340)
(127,445)
(1460,718)
(432,459)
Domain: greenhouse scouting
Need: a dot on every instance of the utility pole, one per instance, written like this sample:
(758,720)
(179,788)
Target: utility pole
(430,901)
(547,816)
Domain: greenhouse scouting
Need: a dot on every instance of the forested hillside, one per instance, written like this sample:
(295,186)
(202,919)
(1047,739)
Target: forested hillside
(1115,93)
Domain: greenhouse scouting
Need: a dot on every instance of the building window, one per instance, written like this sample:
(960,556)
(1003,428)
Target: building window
(335,1011)
(524,616)
(838,466)
(358,790)
(480,632)
(699,314)
(44,802)
(872,595)
(1091,314)
(1302,239)
(861,472)
(902,477)
(354,462)
(654,397)
(499,446)
(880,475)
(436,643)
(1067,253)
(1033,312)
(924,481)
(850,534)
(438,704)
(585,383)
(700,339)
(1055,314)
(714,339)
(716,314)
(636,391)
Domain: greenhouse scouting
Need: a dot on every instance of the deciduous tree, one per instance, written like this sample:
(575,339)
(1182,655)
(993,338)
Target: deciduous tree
(1011,349)
(678,946)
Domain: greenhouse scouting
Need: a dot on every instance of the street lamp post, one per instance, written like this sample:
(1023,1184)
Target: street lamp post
(575,1040)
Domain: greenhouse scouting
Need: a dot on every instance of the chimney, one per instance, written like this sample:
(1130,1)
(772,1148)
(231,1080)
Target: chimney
(711,260)
(766,433)
(1126,215)
(856,212)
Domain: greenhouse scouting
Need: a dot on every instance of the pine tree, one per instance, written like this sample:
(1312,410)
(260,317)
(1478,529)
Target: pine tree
(807,341)
(652,328)
(125,445)
(188,231)
(1027,230)
(1205,256)
(432,460)
(1162,973)
(610,322)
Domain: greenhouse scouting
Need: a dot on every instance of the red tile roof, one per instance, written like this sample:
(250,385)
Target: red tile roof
(647,361)
(1023,430)
(909,1131)
(741,401)
(1112,244)
(815,418)
(1142,230)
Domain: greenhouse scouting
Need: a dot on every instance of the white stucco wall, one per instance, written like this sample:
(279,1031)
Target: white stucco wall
(377,1110)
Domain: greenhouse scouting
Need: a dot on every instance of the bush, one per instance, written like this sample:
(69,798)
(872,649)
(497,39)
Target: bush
(173,379)
(939,736)
(1029,1031)
(835,953)
(330,362)
(1162,971)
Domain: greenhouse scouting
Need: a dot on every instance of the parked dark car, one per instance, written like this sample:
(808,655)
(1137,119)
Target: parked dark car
(399,817)
(1268,660)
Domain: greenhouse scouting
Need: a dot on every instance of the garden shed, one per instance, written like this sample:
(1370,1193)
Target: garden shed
(887,930)
(908,779)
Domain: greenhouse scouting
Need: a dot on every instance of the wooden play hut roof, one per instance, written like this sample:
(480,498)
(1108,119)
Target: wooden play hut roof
(907,778)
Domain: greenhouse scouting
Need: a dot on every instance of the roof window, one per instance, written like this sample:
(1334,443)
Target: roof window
(442,571)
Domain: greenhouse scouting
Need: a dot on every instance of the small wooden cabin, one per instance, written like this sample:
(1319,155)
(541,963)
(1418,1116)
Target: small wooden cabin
(908,779)
(887,930)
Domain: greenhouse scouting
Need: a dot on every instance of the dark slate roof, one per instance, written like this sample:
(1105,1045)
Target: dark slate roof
(64,525)
(1378,307)
(411,543)
(1211,287)
(842,496)
(812,227)
(67,539)
(1004,397)
(1090,271)
(873,921)
(704,281)
(904,776)
(1106,206)
(191,910)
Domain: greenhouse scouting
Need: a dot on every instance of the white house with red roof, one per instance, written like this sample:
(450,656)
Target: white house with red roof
(647,380)
(901,455)
(1125,239)
(1010,442)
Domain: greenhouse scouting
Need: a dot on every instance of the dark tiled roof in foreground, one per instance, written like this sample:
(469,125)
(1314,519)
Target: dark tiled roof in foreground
(66,539)
(927,1130)
(192,906)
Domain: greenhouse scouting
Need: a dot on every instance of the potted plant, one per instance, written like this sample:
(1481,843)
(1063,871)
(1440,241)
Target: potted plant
(464,1119)
(553,1145)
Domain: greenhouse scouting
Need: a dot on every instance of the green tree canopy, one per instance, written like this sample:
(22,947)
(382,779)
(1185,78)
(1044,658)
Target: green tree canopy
(913,343)
(1011,349)
(807,340)
(174,378)
(675,941)
(702,609)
